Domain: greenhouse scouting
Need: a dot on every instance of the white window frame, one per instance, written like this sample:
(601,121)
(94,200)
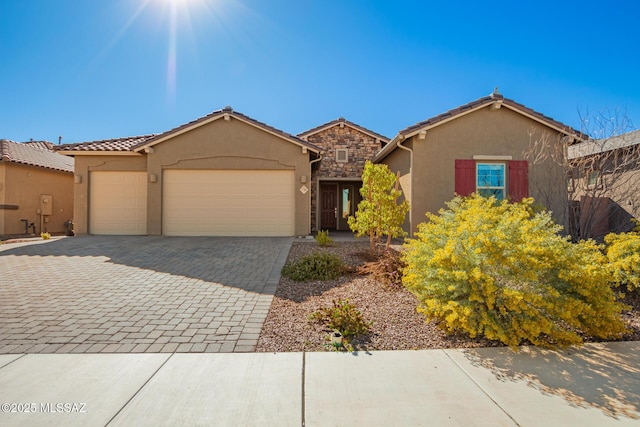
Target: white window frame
(344,152)
(504,178)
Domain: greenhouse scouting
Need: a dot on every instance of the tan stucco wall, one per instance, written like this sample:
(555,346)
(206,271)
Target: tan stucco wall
(22,185)
(225,145)
(501,132)
(400,161)
(86,164)
(230,145)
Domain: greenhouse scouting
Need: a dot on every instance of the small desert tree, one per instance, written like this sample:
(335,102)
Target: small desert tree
(379,213)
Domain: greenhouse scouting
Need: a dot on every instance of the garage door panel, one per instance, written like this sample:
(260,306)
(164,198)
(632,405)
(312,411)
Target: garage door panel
(118,203)
(228,203)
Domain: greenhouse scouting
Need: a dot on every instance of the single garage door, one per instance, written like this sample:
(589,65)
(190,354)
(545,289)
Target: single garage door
(118,203)
(228,203)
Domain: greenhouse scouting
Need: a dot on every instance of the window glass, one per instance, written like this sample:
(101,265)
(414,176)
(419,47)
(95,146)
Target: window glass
(491,180)
(346,202)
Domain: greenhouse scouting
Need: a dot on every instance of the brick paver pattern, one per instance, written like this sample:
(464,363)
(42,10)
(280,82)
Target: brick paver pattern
(113,294)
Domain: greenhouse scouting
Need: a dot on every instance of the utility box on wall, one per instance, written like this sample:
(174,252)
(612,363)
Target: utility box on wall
(46,204)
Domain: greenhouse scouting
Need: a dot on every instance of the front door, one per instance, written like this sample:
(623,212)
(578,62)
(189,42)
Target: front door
(328,206)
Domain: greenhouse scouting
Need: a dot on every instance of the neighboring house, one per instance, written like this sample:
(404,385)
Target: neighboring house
(477,147)
(605,184)
(36,188)
(336,174)
(223,174)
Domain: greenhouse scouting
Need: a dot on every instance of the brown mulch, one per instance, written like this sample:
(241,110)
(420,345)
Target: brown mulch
(396,323)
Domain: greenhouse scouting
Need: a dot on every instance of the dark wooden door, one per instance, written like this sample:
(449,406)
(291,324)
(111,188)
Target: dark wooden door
(328,206)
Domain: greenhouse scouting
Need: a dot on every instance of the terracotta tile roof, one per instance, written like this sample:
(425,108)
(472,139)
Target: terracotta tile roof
(494,98)
(34,154)
(116,144)
(220,113)
(348,123)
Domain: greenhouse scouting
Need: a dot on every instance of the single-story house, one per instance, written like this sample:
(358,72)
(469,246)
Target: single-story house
(229,174)
(336,174)
(36,188)
(478,147)
(223,174)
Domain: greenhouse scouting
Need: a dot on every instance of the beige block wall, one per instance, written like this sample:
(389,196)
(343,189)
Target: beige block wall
(23,185)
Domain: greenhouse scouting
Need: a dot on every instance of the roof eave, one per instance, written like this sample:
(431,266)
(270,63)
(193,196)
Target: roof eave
(503,102)
(345,122)
(72,153)
(217,116)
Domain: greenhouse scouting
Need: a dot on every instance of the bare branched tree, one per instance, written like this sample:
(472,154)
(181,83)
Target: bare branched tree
(601,172)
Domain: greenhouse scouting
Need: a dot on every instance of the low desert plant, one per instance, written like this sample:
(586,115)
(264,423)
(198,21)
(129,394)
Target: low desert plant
(45,235)
(317,266)
(343,317)
(502,270)
(623,254)
(323,238)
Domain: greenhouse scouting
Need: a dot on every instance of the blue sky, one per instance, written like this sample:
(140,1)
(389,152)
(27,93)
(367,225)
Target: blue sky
(99,69)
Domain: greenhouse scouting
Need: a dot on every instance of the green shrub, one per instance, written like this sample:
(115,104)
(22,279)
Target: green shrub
(623,253)
(323,238)
(343,317)
(318,266)
(502,271)
(45,236)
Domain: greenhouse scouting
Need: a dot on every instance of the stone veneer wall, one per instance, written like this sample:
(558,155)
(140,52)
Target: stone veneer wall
(362,147)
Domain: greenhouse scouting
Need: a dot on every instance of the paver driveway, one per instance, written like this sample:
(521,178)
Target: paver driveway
(91,294)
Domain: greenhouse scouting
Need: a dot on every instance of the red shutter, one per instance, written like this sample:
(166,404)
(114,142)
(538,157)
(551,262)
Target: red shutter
(465,177)
(518,180)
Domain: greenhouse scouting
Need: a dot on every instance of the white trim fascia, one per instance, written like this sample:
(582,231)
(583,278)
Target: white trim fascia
(486,157)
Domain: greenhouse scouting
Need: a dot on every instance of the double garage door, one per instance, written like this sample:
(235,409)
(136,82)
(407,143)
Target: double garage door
(197,203)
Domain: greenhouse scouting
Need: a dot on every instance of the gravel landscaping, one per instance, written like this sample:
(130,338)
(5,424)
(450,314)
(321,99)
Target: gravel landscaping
(396,324)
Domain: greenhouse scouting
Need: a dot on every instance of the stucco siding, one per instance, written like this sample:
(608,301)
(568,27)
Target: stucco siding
(221,145)
(22,186)
(493,133)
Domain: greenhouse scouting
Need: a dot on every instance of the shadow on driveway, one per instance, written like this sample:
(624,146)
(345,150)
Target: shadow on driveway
(241,262)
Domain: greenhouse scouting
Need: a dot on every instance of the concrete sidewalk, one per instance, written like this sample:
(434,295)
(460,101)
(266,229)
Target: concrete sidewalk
(597,385)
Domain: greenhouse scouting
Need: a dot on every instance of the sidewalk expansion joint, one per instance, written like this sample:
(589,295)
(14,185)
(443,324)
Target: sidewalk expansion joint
(303,385)
(481,388)
(139,390)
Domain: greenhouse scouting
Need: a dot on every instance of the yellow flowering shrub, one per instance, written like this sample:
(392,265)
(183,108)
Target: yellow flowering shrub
(501,270)
(623,253)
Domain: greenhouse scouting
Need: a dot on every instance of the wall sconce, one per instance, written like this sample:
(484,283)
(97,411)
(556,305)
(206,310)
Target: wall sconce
(153,177)
(77,179)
